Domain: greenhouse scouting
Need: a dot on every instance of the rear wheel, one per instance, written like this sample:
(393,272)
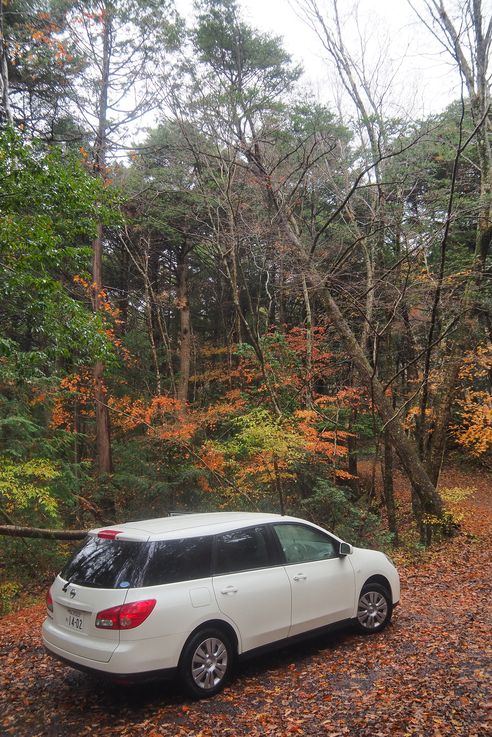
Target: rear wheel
(374,608)
(206,663)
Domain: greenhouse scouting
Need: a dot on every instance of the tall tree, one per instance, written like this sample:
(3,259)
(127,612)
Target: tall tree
(466,37)
(38,65)
(121,43)
(250,87)
(5,109)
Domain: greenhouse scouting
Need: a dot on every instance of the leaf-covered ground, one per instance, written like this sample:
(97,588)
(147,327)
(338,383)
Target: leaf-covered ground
(427,675)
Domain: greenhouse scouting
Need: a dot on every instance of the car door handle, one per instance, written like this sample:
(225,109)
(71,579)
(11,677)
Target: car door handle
(300,577)
(229,590)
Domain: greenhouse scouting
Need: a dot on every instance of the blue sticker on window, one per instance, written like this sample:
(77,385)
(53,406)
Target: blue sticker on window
(124,584)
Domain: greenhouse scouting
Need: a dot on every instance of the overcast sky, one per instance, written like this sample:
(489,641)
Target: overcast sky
(424,78)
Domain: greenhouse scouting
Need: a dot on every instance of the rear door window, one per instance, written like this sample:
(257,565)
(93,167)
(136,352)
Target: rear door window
(169,561)
(242,550)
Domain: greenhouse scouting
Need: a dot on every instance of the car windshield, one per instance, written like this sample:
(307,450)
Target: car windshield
(105,564)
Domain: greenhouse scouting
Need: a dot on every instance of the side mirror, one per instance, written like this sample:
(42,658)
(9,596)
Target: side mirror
(345,549)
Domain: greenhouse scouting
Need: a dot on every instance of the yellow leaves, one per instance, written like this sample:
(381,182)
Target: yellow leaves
(413,413)
(475,430)
(454,498)
(476,364)
(77,279)
(25,485)
(457,494)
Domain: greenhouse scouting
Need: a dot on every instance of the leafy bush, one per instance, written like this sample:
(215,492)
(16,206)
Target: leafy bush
(335,508)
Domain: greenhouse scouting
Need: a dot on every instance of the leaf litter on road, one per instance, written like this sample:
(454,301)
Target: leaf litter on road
(427,675)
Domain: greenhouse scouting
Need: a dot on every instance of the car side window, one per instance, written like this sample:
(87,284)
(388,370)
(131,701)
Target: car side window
(169,561)
(302,544)
(242,550)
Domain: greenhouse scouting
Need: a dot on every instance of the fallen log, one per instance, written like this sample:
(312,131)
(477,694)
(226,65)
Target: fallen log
(38,532)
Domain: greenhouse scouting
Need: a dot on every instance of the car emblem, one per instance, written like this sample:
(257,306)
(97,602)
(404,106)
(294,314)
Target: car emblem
(72,593)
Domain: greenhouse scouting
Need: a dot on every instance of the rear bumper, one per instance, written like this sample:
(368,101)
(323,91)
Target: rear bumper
(165,674)
(127,658)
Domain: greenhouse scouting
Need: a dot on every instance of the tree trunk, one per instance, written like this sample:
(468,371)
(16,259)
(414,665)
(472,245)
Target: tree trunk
(151,331)
(5,109)
(388,490)
(309,344)
(471,53)
(37,532)
(183,305)
(124,297)
(407,452)
(103,437)
(353,454)
(103,434)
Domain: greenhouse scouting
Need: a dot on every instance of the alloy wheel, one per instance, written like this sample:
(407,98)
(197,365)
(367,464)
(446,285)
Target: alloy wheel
(372,611)
(209,663)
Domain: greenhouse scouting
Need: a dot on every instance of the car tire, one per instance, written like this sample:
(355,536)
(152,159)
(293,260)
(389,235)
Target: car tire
(206,663)
(374,609)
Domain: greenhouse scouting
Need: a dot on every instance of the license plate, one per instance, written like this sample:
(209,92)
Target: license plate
(74,620)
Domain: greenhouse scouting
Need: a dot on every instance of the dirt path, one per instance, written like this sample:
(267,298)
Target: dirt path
(427,675)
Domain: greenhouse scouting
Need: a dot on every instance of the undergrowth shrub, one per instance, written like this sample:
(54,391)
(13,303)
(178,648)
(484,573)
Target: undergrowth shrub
(351,519)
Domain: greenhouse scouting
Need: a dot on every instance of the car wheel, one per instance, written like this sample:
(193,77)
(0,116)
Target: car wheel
(374,608)
(206,663)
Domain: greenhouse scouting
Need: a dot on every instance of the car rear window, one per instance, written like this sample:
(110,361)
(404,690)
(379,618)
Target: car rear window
(112,564)
(105,564)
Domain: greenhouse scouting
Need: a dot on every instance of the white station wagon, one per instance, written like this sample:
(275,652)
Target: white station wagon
(189,594)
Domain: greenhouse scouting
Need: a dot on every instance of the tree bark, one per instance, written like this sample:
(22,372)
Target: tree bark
(103,436)
(388,490)
(407,452)
(472,64)
(406,449)
(5,109)
(37,532)
(183,304)
(309,344)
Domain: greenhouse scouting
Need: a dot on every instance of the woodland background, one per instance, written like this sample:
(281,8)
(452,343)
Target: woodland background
(238,306)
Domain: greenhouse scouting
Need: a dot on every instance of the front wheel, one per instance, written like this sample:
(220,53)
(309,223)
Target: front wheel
(206,663)
(374,609)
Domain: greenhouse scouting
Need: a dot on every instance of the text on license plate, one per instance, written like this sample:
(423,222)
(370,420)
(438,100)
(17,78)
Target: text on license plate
(74,620)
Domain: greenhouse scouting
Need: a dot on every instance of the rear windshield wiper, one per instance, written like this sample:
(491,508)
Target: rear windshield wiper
(67,584)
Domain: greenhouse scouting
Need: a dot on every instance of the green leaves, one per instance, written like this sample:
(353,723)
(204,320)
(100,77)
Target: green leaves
(49,210)
(24,487)
(241,73)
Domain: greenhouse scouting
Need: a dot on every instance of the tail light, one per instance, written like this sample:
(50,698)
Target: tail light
(49,602)
(108,534)
(126,616)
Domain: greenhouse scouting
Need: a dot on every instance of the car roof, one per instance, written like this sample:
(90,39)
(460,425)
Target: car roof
(189,525)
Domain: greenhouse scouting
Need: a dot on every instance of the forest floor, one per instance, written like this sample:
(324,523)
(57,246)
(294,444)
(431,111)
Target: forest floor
(427,675)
